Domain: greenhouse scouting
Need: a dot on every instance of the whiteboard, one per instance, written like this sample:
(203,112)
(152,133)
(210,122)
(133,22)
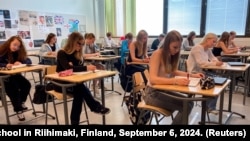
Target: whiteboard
(34,26)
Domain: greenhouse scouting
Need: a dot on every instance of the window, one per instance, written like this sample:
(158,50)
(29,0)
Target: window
(226,15)
(149,16)
(184,16)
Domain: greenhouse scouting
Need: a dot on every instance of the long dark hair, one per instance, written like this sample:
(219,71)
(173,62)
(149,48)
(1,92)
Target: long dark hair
(189,38)
(21,52)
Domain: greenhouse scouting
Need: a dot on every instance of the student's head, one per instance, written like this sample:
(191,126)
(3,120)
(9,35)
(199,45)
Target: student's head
(14,44)
(75,44)
(51,38)
(191,35)
(161,37)
(232,34)
(225,37)
(89,38)
(109,35)
(129,37)
(209,40)
(171,50)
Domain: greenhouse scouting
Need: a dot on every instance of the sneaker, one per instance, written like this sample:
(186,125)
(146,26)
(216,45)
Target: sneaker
(24,107)
(102,110)
(213,111)
(20,115)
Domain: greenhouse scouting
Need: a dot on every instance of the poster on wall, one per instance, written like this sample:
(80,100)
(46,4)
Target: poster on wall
(49,21)
(24,17)
(59,20)
(33,18)
(73,25)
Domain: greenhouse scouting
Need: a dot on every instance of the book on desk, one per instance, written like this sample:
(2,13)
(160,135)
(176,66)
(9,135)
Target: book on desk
(193,81)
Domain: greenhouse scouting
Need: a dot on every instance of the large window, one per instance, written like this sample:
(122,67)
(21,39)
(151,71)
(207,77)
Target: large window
(226,15)
(184,16)
(149,16)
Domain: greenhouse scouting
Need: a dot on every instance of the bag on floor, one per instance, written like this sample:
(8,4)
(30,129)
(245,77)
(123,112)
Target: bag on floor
(40,94)
(131,102)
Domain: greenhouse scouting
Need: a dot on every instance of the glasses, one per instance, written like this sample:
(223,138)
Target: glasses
(80,44)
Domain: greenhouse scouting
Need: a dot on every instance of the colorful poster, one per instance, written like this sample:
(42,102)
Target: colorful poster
(73,25)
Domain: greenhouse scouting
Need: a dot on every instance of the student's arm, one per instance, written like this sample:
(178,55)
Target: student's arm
(199,59)
(66,64)
(44,50)
(158,76)
(225,49)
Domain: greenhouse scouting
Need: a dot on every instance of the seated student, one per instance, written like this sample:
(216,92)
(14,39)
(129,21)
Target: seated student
(138,53)
(125,46)
(222,46)
(50,47)
(201,55)
(188,43)
(108,41)
(163,67)
(157,41)
(13,52)
(91,50)
(71,57)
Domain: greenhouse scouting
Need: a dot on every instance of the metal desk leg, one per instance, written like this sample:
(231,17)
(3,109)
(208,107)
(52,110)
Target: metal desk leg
(103,99)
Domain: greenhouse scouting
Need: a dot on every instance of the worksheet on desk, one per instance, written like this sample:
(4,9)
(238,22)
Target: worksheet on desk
(193,81)
(85,72)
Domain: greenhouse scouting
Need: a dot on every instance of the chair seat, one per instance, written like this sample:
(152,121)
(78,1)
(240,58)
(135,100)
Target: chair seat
(59,95)
(143,105)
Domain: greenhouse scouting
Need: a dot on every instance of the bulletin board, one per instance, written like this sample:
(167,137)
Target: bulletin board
(33,27)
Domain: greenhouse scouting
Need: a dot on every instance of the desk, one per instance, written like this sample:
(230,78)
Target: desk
(51,57)
(194,91)
(80,78)
(108,59)
(232,70)
(244,55)
(34,54)
(8,73)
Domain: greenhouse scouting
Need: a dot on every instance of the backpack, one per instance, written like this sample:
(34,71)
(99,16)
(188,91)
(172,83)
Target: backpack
(40,93)
(131,102)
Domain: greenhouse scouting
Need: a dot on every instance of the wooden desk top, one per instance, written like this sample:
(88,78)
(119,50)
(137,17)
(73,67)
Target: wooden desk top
(49,56)
(24,69)
(239,54)
(193,90)
(102,58)
(226,66)
(79,78)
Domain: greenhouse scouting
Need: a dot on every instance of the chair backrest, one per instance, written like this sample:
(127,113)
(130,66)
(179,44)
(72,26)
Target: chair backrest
(138,82)
(146,73)
(51,69)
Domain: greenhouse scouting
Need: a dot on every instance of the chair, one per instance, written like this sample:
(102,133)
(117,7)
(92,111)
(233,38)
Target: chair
(57,97)
(156,112)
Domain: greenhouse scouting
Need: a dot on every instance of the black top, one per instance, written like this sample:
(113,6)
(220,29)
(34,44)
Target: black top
(217,51)
(4,60)
(53,48)
(155,44)
(63,60)
(136,55)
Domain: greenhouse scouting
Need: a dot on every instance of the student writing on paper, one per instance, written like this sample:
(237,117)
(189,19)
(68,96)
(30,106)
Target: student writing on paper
(71,57)
(201,55)
(188,43)
(163,67)
(17,87)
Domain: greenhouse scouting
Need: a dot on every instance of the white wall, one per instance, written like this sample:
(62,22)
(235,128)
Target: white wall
(72,7)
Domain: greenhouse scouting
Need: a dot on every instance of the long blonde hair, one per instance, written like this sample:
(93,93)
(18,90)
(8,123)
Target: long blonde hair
(141,47)
(170,62)
(69,48)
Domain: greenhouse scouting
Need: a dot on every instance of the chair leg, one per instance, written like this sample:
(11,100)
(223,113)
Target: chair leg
(125,91)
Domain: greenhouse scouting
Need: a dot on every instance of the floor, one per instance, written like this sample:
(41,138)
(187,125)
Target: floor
(119,114)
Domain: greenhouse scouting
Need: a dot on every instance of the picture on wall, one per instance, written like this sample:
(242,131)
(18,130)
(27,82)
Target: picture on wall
(49,21)
(24,17)
(2,35)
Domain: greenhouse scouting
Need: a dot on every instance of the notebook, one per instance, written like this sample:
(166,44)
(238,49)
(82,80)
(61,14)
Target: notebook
(236,63)
(18,66)
(193,81)
(219,80)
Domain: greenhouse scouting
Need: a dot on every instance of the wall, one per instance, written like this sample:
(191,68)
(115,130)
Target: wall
(70,7)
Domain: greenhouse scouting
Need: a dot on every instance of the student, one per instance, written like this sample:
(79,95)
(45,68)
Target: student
(201,55)
(71,57)
(17,87)
(157,41)
(188,43)
(163,67)
(108,41)
(222,46)
(50,47)
(91,50)
(125,46)
(138,53)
